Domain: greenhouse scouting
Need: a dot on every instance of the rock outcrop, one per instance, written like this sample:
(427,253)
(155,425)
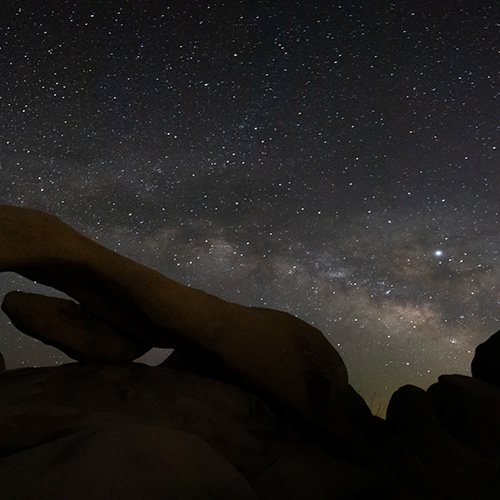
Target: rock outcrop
(161,432)
(470,410)
(485,364)
(253,403)
(68,326)
(127,306)
(427,460)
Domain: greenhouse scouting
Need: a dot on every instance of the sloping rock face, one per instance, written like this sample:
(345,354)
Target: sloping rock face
(486,362)
(133,431)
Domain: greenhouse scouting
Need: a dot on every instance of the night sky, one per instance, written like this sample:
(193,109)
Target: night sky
(335,160)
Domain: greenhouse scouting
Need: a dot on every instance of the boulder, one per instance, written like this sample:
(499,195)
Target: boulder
(470,409)
(486,362)
(409,410)
(427,461)
(133,431)
(126,460)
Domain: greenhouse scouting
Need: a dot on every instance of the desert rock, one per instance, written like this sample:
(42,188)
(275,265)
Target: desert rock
(253,403)
(470,409)
(259,346)
(486,362)
(66,325)
(104,421)
(428,461)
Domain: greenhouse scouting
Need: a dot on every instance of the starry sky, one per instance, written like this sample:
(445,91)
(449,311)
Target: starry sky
(335,160)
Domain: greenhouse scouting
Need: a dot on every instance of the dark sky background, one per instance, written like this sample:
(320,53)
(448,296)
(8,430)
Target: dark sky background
(336,160)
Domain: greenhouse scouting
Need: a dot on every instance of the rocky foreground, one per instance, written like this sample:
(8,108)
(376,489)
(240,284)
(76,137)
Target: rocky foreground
(253,403)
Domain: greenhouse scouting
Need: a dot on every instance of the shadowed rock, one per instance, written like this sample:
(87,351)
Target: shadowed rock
(133,431)
(126,461)
(470,409)
(64,324)
(428,460)
(486,362)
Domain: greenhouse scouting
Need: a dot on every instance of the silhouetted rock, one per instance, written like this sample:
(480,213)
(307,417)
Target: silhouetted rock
(66,325)
(126,460)
(428,462)
(486,362)
(410,409)
(275,354)
(470,409)
(253,403)
(133,431)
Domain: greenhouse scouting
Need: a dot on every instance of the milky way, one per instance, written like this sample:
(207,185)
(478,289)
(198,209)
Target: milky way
(336,160)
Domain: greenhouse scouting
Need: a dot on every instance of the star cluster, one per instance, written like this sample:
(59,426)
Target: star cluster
(336,160)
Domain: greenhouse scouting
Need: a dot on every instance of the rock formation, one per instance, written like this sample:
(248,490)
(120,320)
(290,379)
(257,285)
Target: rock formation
(134,306)
(253,403)
(428,460)
(166,432)
(485,362)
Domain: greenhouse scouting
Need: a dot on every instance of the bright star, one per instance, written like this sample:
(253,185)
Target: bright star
(438,253)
